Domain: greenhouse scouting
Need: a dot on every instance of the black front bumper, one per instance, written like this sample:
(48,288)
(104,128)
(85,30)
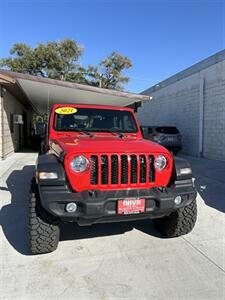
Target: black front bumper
(101,206)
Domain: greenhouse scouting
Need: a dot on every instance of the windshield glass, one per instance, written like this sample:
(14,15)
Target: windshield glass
(168,130)
(89,119)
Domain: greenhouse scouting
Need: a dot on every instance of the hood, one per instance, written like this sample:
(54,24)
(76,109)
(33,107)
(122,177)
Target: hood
(105,144)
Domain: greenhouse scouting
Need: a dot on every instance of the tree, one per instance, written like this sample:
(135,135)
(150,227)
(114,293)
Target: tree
(108,74)
(57,60)
(60,60)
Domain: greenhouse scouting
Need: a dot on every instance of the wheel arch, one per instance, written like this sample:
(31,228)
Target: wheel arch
(50,163)
(178,164)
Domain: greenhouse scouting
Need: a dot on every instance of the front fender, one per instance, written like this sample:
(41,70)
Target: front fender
(180,163)
(50,163)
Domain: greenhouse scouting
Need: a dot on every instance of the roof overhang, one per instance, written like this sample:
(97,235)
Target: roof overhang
(41,93)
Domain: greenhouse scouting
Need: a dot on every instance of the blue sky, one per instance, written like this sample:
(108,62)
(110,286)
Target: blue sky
(161,37)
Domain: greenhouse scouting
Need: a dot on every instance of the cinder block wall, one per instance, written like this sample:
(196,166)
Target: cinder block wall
(178,104)
(214,120)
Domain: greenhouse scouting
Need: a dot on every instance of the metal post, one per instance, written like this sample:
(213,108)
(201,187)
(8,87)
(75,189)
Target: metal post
(100,81)
(2,121)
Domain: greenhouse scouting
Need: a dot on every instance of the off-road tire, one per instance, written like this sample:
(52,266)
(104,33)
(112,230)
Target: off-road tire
(43,228)
(180,222)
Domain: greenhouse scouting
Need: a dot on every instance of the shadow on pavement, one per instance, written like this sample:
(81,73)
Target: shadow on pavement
(212,192)
(209,181)
(14,217)
(76,232)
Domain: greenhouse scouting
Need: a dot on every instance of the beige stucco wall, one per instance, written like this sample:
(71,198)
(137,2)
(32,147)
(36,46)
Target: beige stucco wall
(1,103)
(10,140)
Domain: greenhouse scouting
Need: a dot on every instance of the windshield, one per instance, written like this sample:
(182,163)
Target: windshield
(168,130)
(89,119)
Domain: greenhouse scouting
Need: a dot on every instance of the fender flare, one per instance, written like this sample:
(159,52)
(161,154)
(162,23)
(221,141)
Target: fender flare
(180,163)
(50,163)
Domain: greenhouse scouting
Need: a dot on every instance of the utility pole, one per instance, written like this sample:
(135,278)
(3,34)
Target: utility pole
(100,81)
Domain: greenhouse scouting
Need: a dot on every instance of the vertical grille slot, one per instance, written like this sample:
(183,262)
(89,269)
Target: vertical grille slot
(104,169)
(94,169)
(114,169)
(124,169)
(151,168)
(133,169)
(142,169)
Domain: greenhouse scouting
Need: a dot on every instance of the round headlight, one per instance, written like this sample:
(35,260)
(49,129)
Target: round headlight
(160,162)
(79,164)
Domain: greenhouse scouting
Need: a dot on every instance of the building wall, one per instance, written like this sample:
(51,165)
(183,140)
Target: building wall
(11,140)
(1,117)
(178,104)
(214,120)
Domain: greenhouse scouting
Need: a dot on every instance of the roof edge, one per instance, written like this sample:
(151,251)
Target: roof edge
(203,64)
(6,79)
(14,76)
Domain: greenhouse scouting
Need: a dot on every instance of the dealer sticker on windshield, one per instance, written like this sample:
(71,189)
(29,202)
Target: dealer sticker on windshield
(66,110)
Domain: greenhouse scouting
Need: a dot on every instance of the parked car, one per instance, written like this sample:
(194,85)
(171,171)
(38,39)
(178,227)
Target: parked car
(97,168)
(167,136)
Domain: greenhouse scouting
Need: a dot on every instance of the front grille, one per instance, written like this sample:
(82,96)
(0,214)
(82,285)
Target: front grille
(133,165)
(122,169)
(114,169)
(94,169)
(104,169)
(142,169)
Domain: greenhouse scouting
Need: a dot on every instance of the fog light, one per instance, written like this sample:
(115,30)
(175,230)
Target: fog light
(71,207)
(178,200)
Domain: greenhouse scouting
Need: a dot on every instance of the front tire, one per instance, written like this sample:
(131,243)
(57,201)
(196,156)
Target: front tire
(180,222)
(43,228)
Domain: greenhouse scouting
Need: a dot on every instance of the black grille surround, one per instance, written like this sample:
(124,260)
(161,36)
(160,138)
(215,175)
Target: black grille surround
(122,169)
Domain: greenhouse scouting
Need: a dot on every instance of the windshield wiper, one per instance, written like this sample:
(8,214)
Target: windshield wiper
(79,130)
(120,134)
(85,132)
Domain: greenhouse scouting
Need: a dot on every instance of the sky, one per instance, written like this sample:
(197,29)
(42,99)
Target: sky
(161,37)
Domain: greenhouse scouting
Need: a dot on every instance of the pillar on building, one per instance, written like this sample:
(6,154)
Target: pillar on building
(1,123)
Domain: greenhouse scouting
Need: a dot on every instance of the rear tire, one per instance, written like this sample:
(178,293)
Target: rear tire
(180,222)
(43,228)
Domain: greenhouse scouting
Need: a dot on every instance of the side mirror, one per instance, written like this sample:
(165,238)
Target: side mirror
(142,131)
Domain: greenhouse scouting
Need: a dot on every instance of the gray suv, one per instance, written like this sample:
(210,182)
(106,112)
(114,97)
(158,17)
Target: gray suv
(167,136)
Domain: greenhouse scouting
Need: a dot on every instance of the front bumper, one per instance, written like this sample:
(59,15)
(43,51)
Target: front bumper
(101,206)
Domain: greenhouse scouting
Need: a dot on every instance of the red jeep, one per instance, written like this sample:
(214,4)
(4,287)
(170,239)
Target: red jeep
(97,168)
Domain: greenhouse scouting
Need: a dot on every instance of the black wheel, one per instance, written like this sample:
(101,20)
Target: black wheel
(179,222)
(43,228)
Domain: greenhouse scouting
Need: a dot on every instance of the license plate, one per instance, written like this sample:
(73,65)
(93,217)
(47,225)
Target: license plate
(130,206)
